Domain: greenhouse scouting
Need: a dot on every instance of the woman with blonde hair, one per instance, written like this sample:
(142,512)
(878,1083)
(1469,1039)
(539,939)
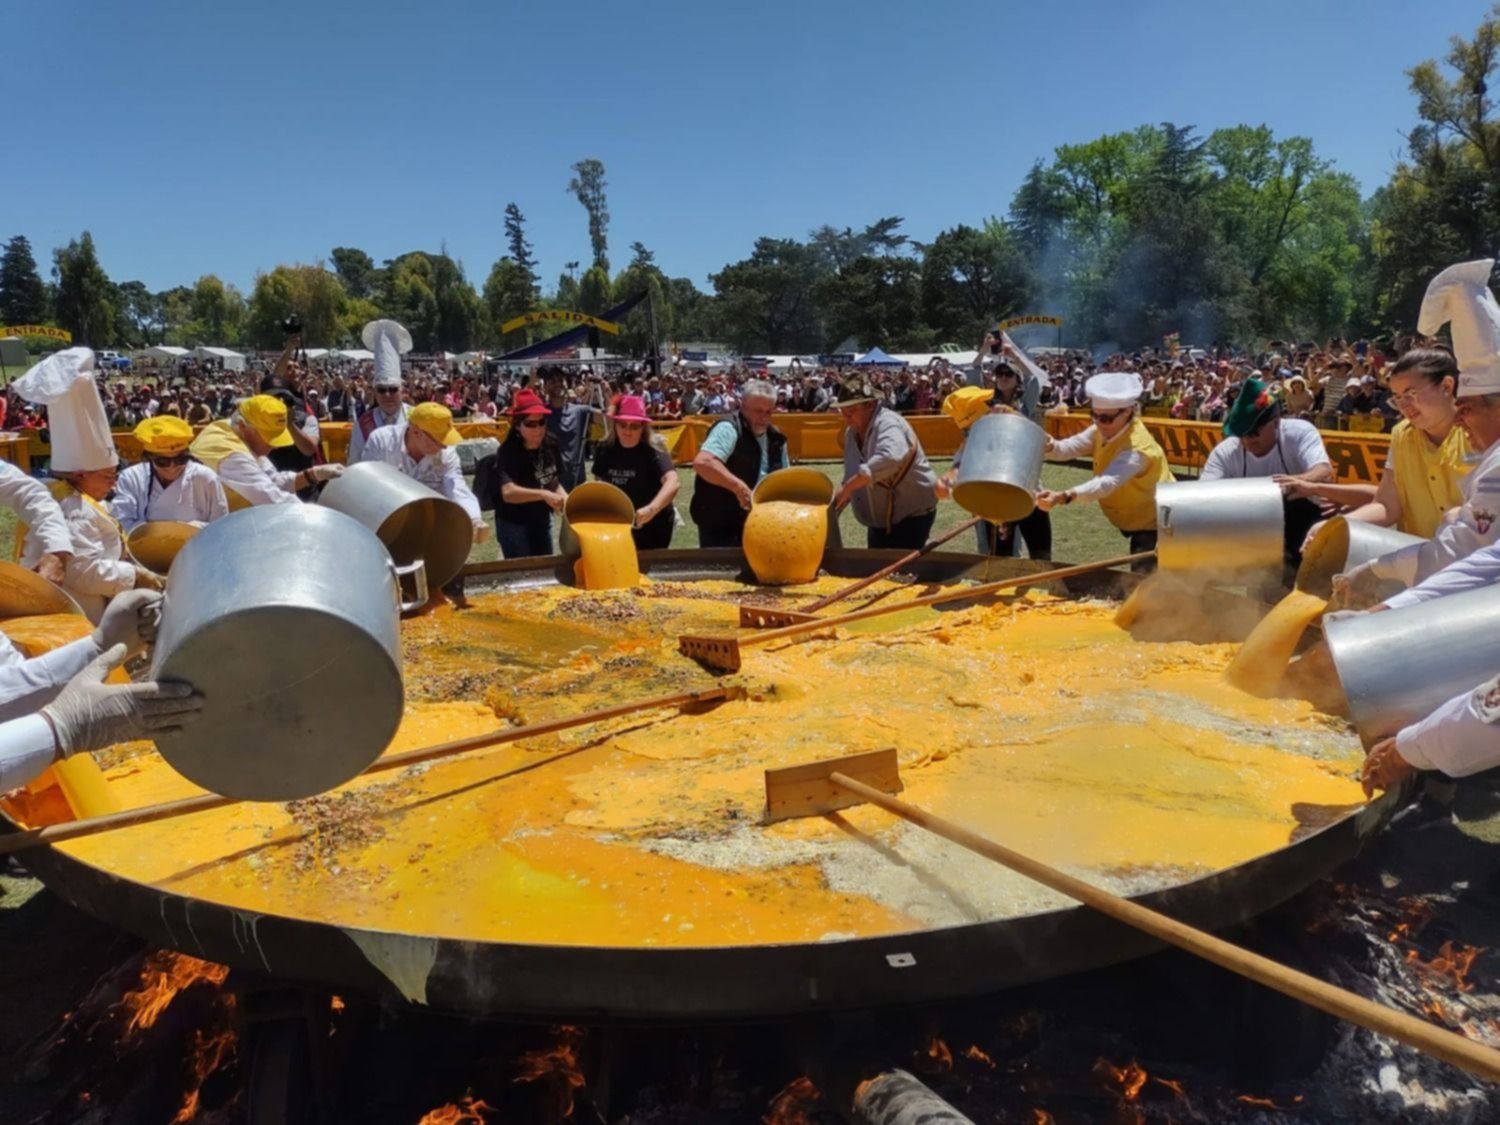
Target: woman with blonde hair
(634,461)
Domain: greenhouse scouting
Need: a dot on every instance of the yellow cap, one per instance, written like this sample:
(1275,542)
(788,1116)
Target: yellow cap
(165,435)
(436,421)
(967,405)
(267,417)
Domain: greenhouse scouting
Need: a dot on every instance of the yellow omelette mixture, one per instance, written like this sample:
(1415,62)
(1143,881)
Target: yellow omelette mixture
(1038,721)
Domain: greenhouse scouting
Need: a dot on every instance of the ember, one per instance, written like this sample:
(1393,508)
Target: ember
(790,1106)
(1127,1081)
(208,1054)
(466,1111)
(1266,1103)
(974,1054)
(938,1052)
(1451,965)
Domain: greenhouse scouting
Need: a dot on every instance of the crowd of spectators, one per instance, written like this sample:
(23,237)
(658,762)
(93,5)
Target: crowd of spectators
(1329,385)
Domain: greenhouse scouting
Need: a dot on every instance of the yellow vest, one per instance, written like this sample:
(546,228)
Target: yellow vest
(216,442)
(1427,476)
(1133,505)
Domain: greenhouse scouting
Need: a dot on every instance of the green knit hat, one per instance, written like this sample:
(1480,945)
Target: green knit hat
(1256,404)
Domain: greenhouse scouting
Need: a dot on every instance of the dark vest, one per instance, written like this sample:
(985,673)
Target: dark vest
(719,508)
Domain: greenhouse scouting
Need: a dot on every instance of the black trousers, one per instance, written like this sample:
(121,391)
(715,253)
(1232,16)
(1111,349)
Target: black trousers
(730,537)
(910,534)
(1000,538)
(656,535)
(1142,541)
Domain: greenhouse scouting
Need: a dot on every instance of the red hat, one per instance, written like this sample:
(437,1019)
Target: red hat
(527,402)
(630,408)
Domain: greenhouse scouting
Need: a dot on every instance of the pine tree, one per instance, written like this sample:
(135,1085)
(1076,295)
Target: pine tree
(84,293)
(520,248)
(23,296)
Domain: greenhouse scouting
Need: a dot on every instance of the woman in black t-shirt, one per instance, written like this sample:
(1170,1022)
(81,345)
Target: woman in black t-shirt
(530,485)
(630,461)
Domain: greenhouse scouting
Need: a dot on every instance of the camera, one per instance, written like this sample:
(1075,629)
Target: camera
(292,325)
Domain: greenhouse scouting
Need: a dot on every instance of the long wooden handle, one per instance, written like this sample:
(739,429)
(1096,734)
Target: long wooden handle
(1436,1041)
(887,571)
(958,595)
(73,829)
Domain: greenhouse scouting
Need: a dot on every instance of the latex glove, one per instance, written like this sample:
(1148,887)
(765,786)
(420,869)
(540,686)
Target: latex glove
(317,474)
(148,580)
(130,619)
(54,567)
(481,532)
(90,714)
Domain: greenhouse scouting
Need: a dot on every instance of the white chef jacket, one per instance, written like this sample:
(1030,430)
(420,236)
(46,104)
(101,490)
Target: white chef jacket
(194,497)
(257,480)
(1473,524)
(1482,568)
(440,471)
(1299,447)
(98,569)
(357,438)
(1124,468)
(26,743)
(1461,737)
(32,502)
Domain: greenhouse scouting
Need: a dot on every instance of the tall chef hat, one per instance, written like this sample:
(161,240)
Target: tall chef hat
(1113,390)
(64,383)
(389,341)
(1460,297)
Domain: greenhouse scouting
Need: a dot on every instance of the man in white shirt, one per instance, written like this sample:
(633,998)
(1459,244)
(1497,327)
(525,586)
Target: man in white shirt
(236,449)
(1259,442)
(166,484)
(46,526)
(1460,738)
(420,446)
(389,341)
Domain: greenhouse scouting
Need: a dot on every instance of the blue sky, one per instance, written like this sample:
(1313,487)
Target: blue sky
(197,136)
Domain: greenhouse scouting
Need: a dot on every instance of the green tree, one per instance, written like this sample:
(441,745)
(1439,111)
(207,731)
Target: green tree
(588,186)
(520,250)
(593,291)
(972,277)
(82,299)
(876,300)
(23,294)
(218,312)
(767,302)
(313,292)
(174,315)
(356,271)
(507,294)
(137,314)
(429,294)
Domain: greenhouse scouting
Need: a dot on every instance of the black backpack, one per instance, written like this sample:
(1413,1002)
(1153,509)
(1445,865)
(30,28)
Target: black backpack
(487,481)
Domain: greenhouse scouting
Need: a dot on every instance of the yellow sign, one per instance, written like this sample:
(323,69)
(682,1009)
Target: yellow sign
(39,330)
(560,316)
(1022,321)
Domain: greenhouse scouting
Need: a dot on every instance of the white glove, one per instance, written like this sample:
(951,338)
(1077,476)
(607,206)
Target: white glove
(90,714)
(130,619)
(317,474)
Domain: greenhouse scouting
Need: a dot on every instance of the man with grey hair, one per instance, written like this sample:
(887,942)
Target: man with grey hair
(737,452)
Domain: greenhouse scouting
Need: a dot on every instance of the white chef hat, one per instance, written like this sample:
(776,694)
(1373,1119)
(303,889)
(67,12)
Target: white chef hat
(1113,390)
(389,341)
(64,384)
(1460,297)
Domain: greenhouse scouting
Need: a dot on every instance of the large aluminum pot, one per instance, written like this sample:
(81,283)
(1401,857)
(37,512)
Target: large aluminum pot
(1001,468)
(1342,544)
(594,501)
(415,523)
(1398,666)
(1224,526)
(284,617)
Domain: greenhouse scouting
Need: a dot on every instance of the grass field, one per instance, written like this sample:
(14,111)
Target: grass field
(1079,534)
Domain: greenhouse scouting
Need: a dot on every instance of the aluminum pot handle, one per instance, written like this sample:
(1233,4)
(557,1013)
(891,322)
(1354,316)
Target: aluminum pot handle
(417,573)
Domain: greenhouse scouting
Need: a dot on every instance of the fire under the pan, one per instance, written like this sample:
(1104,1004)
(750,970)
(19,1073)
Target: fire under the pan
(1036,721)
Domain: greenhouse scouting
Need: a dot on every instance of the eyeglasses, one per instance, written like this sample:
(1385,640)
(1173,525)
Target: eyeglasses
(1104,418)
(167,461)
(1409,398)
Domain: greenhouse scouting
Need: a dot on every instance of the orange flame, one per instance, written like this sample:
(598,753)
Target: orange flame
(791,1105)
(1129,1079)
(209,1052)
(1415,914)
(939,1053)
(163,975)
(557,1067)
(1266,1103)
(1040,1117)
(974,1054)
(1172,1084)
(1451,965)
(466,1111)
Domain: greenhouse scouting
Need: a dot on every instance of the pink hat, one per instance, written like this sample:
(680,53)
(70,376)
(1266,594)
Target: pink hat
(630,408)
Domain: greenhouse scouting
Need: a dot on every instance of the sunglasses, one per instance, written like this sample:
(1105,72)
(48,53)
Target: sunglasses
(388,390)
(166,461)
(534,424)
(1104,418)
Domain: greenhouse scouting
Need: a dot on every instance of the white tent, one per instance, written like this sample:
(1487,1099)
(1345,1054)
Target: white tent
(162,353)
(471,357)
(232,361)
(361,354)
(314,354)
